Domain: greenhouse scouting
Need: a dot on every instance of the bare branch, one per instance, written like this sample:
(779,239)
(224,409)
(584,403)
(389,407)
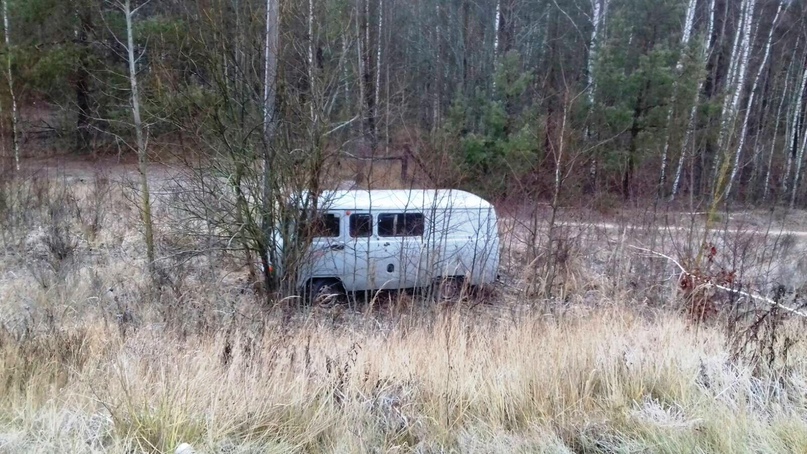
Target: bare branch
(749,295)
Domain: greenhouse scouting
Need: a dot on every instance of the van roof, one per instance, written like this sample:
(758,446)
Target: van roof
(402,199)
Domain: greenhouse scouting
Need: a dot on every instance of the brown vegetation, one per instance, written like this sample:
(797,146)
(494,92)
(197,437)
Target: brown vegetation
(602,358)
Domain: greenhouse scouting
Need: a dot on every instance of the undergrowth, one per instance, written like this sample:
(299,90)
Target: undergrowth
(622,353)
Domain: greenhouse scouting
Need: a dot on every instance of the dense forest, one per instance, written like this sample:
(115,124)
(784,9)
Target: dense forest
(515,99)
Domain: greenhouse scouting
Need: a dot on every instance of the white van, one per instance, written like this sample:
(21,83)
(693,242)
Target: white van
(400,239)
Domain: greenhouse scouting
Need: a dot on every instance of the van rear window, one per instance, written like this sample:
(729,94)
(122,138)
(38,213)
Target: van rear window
(400,224)
(361,225)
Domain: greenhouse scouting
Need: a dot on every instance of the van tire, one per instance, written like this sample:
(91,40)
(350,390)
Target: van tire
(449,289)
(325,292)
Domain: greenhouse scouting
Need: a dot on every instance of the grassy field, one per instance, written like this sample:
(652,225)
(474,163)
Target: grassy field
(603,357)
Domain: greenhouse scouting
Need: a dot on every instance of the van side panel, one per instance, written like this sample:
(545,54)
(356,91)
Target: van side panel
(462,242)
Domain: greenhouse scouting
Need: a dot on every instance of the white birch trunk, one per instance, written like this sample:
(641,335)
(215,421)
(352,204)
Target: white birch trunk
(345,73)
(598,8)
(707,49)
(593,48)
(799,157)
(792,125)
(773,140)
(438,62)
(737,72)
(360,67)
(496,35)
(311,63)
(735,48)
(378,53)
(794,130)
(142,152)
(271,34)
(751,96)
(797,174)
(14,115)
(271,41)
(689,19)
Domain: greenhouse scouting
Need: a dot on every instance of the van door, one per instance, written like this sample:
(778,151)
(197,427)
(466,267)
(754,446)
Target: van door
(401,237)
(360,252)
(326,254)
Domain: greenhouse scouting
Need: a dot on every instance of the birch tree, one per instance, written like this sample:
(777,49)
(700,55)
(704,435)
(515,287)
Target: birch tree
(750,103)
(10,79)
(706,47)
(311,66)
(734,88)
(798,153)
(689,19)
(271,39)
(496,20)
(597,19)
(795,126)
(140,137)
(378,53)
(771,152)
(598,10)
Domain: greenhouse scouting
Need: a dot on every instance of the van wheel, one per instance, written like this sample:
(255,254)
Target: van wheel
(449,289)
(326,293)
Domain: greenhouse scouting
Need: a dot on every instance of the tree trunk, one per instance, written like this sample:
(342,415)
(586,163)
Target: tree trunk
(598,8)
(367,78)
(437,80)
(795,129)
(689,19)
(10,77)
(465,45)
(142,156)
(690,130)
(735,85)
(378,53)
(82,85)
(627,178)
(271,41)
(750,104)
(360,76)
(496,24)
(312,91)
(768,169)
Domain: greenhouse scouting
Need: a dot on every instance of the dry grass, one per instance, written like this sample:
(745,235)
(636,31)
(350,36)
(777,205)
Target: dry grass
(93,359)
(451,380)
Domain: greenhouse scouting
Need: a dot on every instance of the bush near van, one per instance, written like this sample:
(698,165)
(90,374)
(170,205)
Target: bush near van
(400,239)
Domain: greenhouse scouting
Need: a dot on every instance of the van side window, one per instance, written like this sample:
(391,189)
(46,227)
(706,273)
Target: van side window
(361,225)
(400,224)
(326,226)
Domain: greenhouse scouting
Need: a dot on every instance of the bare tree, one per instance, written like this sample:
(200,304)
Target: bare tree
(140,144)
(271,41)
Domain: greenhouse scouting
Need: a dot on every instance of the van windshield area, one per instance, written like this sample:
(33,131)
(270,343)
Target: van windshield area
(400,224)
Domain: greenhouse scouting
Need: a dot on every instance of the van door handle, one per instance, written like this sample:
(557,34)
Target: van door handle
(386,244)
(337,247)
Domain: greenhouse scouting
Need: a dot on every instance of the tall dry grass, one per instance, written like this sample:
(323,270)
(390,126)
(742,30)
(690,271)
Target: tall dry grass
(448,380)
(95,359)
